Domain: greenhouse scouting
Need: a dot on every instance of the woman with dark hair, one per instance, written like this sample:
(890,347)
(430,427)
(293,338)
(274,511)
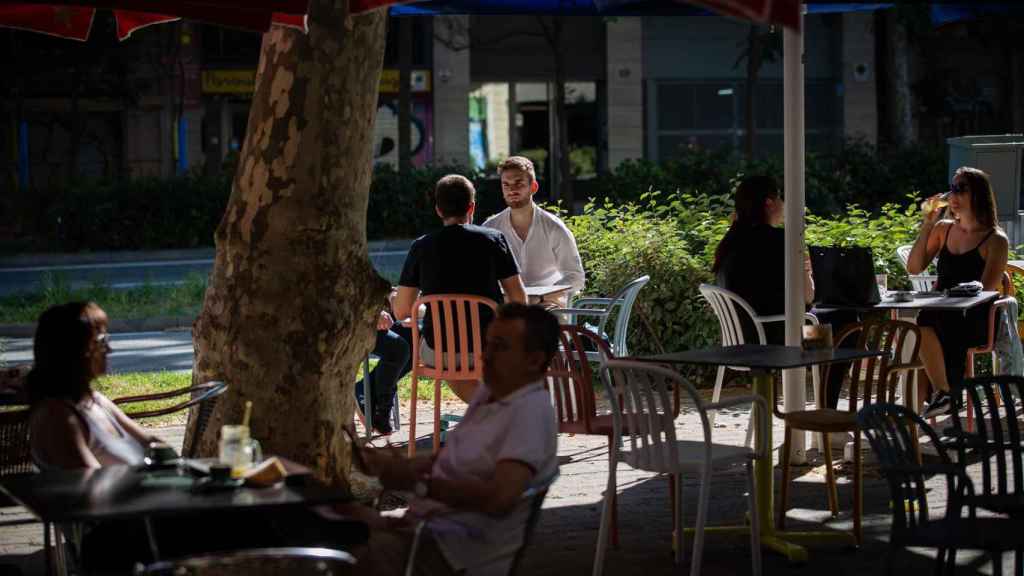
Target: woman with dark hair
(72,425)
(750,259)
(970,247)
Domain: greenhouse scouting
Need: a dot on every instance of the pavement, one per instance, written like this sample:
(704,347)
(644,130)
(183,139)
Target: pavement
(565,539)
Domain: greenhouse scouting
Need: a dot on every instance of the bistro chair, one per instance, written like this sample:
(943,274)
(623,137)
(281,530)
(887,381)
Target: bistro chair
(644,437)
(619,306)
(995,442)
(920,282)
(203,396)
(257,562)
(458,354)
(871,380)
(571,381)
(532,497)
(1004,304)
(730,308)
(892,432)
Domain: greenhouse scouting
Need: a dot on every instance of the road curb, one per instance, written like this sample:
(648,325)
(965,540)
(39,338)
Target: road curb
(158,324)
(70,259)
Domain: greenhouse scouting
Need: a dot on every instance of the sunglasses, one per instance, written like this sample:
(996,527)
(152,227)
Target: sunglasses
(959,188)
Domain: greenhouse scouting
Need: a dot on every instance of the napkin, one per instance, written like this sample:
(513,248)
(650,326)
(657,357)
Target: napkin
(267,473)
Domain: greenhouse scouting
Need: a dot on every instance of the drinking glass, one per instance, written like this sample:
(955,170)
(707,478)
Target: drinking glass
(883,283)
(237,449)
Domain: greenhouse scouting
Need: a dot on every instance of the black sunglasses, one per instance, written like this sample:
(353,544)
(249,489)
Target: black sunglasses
(959,188)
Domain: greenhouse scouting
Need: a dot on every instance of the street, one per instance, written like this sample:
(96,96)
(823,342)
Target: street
(132,352)
(15,279)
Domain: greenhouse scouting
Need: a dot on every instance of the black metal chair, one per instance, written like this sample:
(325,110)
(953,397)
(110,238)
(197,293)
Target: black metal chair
(534,495)
(890,429)
(995,442)
(204,396)
(257,562)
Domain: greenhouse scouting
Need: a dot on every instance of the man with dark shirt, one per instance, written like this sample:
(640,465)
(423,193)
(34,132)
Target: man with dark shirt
(458,259)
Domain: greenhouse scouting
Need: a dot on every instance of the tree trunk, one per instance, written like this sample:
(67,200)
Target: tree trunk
(292,301)
(902,98)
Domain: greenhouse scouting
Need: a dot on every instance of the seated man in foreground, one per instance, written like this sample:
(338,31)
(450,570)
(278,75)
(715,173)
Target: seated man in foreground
(543,245)
(460,258)
(471,494)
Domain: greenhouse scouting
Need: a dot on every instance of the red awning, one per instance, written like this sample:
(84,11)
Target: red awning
(73,19)
(784,12)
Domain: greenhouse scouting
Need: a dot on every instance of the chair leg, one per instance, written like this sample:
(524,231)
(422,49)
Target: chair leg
(716,393)
(702,516)
(676,542)
(858,489)
(437,415)
(940,561)
(755,522)
(47,550)
(997,563)
(412,417)
(784,488)
(830,476)
(678,533)
(607,512)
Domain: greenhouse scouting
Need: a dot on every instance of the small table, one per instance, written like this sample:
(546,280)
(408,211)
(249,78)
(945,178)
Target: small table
(114,492)
(761,360)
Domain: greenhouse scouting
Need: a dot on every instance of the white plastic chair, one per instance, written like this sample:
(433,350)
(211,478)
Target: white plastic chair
(642,406)
(368,399)
(727,305)
(603,308)
(920,282)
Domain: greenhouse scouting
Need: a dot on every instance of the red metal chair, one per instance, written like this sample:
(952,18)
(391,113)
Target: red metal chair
(459,352)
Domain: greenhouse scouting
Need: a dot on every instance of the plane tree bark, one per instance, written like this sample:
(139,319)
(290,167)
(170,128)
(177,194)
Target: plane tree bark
(293,299)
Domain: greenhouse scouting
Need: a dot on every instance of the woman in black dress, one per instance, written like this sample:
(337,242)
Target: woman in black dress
(970,247)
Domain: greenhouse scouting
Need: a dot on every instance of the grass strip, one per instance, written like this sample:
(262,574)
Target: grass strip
(145,301)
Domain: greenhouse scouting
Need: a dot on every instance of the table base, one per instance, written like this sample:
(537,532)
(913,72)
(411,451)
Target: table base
(790,543)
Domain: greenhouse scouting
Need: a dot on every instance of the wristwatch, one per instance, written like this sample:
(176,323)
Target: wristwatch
(422,486)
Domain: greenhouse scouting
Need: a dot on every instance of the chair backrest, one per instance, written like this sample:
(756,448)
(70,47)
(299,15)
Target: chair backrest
(570,378)
(890,429)
(204,397)
(920,282)
(458,336)
(870,377)
(624,300)
(903,253)
(996,438)
(728,307)
(15,453)
(536,496)
(257,562)
(643,414)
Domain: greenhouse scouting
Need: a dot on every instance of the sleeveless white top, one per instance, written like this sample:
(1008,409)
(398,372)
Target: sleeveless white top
(107,447)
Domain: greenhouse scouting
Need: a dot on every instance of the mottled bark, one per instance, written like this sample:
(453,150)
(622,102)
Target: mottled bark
(293,298)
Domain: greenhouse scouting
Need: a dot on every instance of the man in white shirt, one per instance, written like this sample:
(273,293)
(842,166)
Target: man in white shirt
(542,244)
(471,493)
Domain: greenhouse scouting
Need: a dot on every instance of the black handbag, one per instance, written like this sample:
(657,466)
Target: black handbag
(844,276)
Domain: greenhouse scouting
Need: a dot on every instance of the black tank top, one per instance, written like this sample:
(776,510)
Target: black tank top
(958,268)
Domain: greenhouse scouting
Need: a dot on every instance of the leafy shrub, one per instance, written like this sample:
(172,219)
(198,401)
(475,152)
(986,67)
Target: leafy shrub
(620,243)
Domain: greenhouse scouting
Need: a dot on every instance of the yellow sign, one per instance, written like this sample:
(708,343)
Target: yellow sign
(244,81)
(229,81)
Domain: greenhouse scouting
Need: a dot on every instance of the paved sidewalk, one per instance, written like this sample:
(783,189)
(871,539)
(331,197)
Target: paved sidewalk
(565,540)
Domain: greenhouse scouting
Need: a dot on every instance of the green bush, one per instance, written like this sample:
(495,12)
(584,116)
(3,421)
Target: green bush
(620,243)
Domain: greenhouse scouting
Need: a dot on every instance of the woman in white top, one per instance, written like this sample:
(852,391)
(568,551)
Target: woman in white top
(72,425)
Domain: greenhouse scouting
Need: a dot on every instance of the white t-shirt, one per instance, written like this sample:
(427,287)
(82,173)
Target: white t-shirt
(519,427)
(549,255)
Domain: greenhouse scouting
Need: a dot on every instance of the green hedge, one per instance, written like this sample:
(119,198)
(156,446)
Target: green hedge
(672,237)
